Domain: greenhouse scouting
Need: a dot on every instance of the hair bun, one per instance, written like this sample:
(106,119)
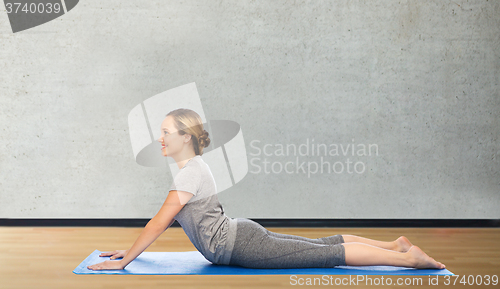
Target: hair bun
(204,140)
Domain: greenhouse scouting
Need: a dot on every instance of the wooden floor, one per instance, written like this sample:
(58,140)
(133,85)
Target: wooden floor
(44,257)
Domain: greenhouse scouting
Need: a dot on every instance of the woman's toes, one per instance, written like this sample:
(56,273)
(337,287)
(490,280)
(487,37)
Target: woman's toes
(421,260)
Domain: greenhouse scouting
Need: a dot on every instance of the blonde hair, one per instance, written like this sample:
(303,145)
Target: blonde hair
(189,122)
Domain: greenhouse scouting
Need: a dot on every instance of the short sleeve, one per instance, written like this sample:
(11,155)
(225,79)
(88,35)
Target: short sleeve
(187,180)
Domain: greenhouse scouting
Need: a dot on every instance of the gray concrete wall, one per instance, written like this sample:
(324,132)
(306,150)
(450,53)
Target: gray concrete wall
(418,79)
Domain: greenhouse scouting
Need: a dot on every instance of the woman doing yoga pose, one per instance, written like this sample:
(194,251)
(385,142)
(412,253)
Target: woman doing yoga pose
(193,202)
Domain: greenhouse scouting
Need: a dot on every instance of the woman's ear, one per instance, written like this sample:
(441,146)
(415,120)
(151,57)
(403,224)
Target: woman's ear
(187,137)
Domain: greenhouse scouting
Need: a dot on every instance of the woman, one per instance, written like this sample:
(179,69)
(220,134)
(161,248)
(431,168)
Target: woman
(193,202)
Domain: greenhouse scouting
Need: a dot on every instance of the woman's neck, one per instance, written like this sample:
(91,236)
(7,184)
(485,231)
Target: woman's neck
(184,160)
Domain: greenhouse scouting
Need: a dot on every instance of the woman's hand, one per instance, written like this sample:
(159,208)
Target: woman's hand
(115,254)
(110,265)
(107,265)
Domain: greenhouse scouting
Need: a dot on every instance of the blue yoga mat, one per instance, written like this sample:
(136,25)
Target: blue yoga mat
(193,263)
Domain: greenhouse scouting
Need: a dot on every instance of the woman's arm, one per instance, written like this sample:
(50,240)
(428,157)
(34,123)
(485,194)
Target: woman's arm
(147,237)
(157,225)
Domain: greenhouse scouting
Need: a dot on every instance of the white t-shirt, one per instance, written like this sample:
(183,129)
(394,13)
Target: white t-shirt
(202,218)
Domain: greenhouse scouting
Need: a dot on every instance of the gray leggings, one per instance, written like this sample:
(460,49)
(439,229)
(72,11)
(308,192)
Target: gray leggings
(256,247)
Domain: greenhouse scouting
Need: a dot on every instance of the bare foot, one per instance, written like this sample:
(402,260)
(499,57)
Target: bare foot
(402,244)
(421,260)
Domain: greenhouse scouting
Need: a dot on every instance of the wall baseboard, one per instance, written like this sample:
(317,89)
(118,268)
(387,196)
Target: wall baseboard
(312,223)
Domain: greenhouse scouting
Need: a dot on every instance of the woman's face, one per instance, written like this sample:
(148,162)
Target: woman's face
(172,142)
